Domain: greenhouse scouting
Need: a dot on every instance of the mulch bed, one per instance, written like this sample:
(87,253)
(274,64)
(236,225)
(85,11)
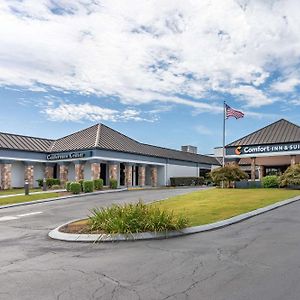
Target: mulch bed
(79,227)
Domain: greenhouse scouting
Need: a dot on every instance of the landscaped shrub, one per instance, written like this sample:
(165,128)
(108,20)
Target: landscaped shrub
(186,181)
(75,187)
(52,181)
(40,182)
(55,187)
(81,184)
(68,186)
(113,183)
(270,181)
(98,184)
(228,175)
(291,177)
(88,186)
(133,218)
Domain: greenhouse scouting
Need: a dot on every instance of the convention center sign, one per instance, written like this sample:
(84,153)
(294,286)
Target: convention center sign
(69,155)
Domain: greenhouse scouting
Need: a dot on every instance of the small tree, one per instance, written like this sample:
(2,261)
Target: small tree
(291,176)
(228,175)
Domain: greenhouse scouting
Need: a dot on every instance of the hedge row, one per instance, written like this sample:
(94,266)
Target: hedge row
(50,182)
(186,181)
(85,186)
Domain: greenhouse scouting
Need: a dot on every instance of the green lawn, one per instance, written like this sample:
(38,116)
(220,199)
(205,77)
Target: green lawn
(19,199)
(203,207)
(17,191)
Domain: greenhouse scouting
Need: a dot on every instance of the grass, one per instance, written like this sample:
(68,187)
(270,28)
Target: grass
(33,197)
(134,218)
(203,207)
(17,191)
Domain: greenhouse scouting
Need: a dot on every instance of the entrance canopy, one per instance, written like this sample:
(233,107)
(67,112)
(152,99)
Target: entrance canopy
(277,139)
(270,149)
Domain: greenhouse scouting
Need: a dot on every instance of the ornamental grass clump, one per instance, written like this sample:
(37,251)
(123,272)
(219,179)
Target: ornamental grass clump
(134,218)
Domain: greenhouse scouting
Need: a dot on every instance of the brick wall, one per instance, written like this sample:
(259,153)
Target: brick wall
(5,176)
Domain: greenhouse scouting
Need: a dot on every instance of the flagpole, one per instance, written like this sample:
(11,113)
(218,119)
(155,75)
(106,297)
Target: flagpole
(224,113)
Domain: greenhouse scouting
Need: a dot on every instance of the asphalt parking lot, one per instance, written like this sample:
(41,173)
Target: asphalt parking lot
(255,259)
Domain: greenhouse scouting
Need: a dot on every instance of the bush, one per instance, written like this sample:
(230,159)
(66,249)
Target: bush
(75,187)
(98,184)
(134,218)
(52,181)
(68,186)
(55,187)
(81,184)
(40,182)
(185,181)
(270,181)
(291,177)
(113,183)
(227,174)
(88,186)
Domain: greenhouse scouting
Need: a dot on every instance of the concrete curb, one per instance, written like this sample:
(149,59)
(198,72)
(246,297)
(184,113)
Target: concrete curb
(62,198)
(69,237)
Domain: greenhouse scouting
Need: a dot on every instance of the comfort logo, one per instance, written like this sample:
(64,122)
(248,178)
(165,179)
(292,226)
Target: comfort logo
(238,150)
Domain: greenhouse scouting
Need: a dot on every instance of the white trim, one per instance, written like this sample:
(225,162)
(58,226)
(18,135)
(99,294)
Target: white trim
(24,159)
(92,158)
(127,160)
(85,159)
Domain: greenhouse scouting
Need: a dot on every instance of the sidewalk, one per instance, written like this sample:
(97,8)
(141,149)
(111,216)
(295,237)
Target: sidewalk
(33,193)
(61,198)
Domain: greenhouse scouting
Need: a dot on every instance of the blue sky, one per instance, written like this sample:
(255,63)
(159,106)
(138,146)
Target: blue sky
(157,73)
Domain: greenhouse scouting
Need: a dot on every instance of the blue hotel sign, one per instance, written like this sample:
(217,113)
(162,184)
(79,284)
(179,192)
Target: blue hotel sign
(260,149)
(69,155)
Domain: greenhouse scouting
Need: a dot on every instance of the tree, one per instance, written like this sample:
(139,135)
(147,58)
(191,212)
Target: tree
(228,175)
(291,176)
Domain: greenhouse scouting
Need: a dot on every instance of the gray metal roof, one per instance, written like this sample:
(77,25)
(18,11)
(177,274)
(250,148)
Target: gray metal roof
(24,143)
(278,132)
(98,136)
(83,139)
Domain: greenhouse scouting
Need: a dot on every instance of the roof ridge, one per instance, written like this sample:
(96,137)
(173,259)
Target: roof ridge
(52,145)
(272,124)
(76,132)
(97,135)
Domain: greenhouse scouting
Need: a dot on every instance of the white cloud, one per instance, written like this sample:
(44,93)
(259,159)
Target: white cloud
(286,86)
(87,111)
(296,102)
(252,96)
(145,51)
(203,130)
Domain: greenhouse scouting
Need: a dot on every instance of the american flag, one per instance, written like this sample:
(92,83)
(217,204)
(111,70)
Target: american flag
(230,112)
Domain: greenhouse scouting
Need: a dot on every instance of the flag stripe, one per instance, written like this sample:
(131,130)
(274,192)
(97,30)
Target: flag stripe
(230,112)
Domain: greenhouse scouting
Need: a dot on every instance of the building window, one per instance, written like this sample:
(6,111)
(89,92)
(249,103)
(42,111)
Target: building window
(275,170)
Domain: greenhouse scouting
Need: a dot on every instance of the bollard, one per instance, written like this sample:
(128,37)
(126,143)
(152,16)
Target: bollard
(44,185)
(26,187)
